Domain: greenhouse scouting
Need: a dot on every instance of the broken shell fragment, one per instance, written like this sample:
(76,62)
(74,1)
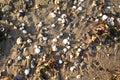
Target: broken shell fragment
(26,71)
(37,50)
(54,40)
(19,40)
(104,17)
(65,41)
(53,14)
(54,48)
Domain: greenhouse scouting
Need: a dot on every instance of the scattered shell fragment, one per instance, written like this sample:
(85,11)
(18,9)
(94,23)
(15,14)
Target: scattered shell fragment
(19,58)
(24,31)
(40,24)
(74,7)
(53,14)
(65,49)
(80,8)
(54,48)
(54,40)
(78,76)
(29,41)
(72,68)
(65,41)
(37,50)
(104,17)
(19,40)
(45,38)
(53,25)
(26,71)
(60,61)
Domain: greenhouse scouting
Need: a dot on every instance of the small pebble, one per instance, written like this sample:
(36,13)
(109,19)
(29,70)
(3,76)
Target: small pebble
(80,8)
(53,25)
(40,24)
(74,7)
(27,71)
(45,38)
(19,41)
(72,68)
(24,31)
(65,41)
(79,49)
(63,16)
(37,50)
(53,14)
(54,40)
(29,41)
(54,48)
(19,58)
(108,7)
(65,49)
(78,76)
(104,17)
(60,61)
(119,6)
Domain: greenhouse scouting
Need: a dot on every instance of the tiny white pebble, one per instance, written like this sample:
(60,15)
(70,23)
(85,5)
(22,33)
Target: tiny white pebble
(74,7)
(23,24)
(63,16)
(45,38)
(24,31)
(104,17)
(71,56)
(68,47)
(63,21)
(96,20)
(78,76)
(27,71)
(19,58)
(21,28)
(65,49)
(118,19)
(80,8)
(119,6)
(19,41)
(65,41)
(53,25)
(54,40)
(53,14)
(54,48)
(60,61)
(81,0)
(60,19)
(37,50)
(72,68)
(79,49)
(40,24)
(108,7)
(29,41)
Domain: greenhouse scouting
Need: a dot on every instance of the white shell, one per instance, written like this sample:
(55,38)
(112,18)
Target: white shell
(59,19)
(29,41)
(54,40)
(78,76)
(74,7)
(63,21)
(19,41)
(108,7)
(119,6)
(40,24)
(45,38)
(23,24)
(71,56)
(19,58)
(104,17)
(60,61)
(21,28)
(63,16)
(54,48)
(80,8)
(53,25)
(65,49)
(53,14)
(37,50)
(79,49)
(27,71)
(65,41)
(72,68)
(68,47)
(24,31)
